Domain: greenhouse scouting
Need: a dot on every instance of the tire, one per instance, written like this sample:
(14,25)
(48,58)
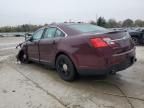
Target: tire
(65,68)
(23,57)
(135,40)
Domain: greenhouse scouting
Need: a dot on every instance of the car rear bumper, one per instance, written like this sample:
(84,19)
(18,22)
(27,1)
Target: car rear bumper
(117,62)
(113,69)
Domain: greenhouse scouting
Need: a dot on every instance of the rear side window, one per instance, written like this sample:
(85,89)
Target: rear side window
(84,28)
(50,32)
(59,33)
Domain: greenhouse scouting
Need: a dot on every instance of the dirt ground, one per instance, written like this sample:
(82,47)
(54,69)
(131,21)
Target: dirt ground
(36,86)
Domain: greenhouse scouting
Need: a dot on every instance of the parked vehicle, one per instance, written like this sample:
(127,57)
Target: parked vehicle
(137,36)
(83,49)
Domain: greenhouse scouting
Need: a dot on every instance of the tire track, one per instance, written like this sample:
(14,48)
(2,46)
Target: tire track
(38,86)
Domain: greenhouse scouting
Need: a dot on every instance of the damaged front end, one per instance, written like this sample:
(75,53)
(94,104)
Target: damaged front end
(22,53)
(19,54)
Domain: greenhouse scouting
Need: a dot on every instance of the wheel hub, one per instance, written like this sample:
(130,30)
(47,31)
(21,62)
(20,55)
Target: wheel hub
(135,40)
(65,67)
(24,56)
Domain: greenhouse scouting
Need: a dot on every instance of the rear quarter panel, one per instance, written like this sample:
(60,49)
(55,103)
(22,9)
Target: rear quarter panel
(80,51)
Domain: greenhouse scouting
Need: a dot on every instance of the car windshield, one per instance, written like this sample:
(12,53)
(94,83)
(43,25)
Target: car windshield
(84,28)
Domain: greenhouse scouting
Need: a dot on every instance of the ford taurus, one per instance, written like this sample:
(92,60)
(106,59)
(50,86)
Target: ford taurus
(79,48)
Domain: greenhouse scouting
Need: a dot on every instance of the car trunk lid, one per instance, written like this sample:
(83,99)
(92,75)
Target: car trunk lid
(122,41)
(117,41)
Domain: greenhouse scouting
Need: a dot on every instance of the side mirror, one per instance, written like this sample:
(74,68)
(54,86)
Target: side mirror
(28,37)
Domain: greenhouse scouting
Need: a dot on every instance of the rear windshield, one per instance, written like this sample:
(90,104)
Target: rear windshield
(84,28)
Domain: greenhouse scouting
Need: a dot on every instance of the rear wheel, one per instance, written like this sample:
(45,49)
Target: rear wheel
(65,68)
(135,40)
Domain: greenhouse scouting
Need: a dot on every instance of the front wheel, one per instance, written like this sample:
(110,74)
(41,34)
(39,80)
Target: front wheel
(23,57)
(65,68)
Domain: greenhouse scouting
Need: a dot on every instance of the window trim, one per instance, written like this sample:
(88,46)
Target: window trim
(56,28)
(62,31)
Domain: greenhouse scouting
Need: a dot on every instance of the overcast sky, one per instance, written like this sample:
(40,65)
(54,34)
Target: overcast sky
(15,12)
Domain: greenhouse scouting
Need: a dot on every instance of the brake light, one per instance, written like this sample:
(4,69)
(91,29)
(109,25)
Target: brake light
(102,42)
(98,43)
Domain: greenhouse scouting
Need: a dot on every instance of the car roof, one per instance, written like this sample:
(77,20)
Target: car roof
(64,24)
(64,27)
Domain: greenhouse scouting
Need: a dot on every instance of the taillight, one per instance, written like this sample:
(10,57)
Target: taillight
(98,43)
(102,42)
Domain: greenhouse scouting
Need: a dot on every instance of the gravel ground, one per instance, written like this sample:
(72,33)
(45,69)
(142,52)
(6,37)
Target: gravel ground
(36,86)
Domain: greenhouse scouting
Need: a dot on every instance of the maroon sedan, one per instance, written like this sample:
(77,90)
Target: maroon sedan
(74,48)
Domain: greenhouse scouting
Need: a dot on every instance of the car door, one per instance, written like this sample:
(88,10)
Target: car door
(33,50)
(48,44)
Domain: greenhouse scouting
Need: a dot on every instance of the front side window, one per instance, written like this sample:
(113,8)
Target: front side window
(50,32)
(38,34)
